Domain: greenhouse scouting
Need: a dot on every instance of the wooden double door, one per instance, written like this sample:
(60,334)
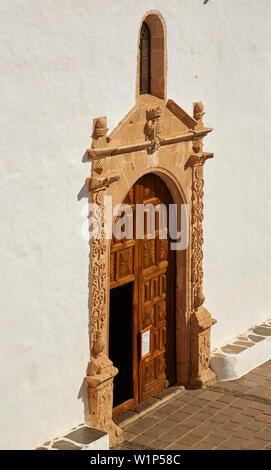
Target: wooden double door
(142,297)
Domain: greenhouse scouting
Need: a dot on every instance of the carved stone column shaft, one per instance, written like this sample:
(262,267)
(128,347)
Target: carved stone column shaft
(101,371)
(201,320)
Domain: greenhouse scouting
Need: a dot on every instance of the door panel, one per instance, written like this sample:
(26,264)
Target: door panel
(150,265)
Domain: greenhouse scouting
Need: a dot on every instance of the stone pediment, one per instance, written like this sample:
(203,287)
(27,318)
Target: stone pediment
(151,123)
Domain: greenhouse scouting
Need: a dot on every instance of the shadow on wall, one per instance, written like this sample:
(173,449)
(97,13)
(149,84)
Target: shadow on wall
(83,192)
(83,391)
(205,1)
(83,395)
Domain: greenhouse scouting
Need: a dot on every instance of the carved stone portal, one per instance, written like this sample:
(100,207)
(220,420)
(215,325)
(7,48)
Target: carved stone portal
(155,137)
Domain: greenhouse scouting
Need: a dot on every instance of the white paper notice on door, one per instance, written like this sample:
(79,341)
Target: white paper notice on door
(146,343)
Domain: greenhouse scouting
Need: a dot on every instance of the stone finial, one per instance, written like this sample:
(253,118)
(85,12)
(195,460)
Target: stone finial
(101,127)
(99,131)
(198,110)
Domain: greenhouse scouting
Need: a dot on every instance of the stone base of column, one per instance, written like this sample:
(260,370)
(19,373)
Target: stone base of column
(100,394)
(200,329)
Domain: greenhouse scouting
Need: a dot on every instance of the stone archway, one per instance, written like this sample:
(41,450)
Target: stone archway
(158,137)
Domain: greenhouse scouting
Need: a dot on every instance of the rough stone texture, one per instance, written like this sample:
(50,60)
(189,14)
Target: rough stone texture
(218,418)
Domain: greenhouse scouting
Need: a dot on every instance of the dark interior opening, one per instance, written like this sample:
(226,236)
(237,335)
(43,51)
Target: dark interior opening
(120,341)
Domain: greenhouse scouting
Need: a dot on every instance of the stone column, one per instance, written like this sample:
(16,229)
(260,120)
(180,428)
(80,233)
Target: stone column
(200,319)
(101,371)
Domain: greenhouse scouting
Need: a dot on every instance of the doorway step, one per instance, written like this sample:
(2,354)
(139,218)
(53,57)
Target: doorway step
(82,437)
(243,354)
(148,405)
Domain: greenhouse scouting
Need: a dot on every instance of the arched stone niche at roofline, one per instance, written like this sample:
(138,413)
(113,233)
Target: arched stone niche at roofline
(158,54)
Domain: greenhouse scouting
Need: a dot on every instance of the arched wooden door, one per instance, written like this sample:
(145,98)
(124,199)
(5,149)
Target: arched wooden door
(142,303)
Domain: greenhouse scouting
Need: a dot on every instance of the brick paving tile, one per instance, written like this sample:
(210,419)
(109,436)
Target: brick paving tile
(191,422)
(180,416)
(232,426)
(223,433)
(240,388)
(189,440)
(227,398)
(168,423)
(248,383)
(177,446)
(134,429)
(234,443)
(158,444)
(195,392)
(254,377)
(155,431)
(265,408)
(241,419)
(190,409)
(199,402)
(147,422)
(241,404)
(199,446)
(209,410)
(202,416)
(169,437)
(182,430)
(261,391)
(128,435)
(190,395)
(265,434)
(219,405)
(175,403)
(168,408)
(254,444)
(245,433)
(229,411)
(203,431)
(144,439)
(183,398)
(263,417)
(206,444)
(159,413)
(252,412)
(256,426)
(211,425)
(215,440)
(210,395)
(219,419)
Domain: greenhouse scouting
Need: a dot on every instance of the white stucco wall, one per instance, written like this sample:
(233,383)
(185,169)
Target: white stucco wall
(64,62)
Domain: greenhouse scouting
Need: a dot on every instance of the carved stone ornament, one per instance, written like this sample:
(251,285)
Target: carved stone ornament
(200,324)
(118,161)
(153,128)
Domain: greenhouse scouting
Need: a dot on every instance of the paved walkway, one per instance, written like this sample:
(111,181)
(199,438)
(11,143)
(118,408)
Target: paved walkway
(229,415)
